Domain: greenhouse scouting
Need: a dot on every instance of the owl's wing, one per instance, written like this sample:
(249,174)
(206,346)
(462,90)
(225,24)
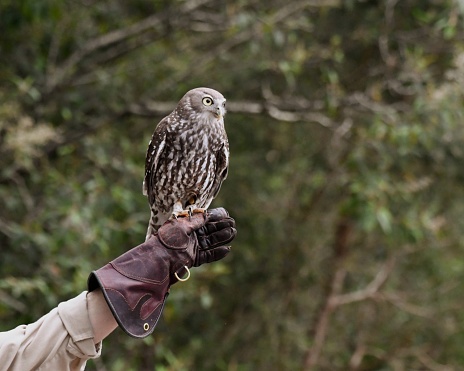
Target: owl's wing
(222,168)
(154,151)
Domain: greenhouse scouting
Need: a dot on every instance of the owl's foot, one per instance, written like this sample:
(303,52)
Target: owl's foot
(178,211)
(196,210)
(180,214)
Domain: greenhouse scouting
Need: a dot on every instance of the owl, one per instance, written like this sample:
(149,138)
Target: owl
(187,158)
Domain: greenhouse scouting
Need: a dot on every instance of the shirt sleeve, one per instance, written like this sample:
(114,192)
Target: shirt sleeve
(60,340)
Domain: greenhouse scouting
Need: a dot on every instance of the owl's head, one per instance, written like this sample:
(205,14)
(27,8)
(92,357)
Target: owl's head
(205,101)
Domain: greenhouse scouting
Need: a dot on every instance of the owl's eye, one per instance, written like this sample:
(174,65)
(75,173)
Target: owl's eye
(207,101)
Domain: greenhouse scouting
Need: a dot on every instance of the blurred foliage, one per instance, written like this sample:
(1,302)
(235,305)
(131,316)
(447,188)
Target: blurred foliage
(347,145)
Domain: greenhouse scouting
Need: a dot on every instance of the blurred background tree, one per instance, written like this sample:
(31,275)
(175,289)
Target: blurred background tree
(346,181)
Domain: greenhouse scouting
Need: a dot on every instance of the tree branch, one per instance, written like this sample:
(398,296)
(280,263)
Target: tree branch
(334,299)
(114,37)
(14,304)
(278,112)
(336,280)
(369,291)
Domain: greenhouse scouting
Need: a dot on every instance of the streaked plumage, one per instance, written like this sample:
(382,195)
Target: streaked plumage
(187,158)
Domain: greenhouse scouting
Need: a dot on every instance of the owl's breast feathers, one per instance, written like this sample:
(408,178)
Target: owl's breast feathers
(193,161)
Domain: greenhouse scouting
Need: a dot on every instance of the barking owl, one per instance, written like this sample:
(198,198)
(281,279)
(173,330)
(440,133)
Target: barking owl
(187,158)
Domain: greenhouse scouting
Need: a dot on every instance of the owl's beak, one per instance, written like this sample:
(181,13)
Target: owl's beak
(219,112)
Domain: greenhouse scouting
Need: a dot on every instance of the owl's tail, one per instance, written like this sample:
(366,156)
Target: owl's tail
(157,219)
(152,225)
(150,232)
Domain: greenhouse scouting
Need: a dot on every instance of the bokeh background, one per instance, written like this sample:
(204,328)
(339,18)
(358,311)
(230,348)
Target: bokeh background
(346,177)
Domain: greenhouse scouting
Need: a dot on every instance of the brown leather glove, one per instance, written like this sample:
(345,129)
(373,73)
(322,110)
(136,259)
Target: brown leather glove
(136,284)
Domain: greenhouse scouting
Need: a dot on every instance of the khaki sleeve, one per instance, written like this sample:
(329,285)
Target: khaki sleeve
(60,340)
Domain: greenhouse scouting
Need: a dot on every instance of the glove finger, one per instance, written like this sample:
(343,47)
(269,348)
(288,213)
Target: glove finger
(219,238)
(212,227)
(212,255)
(216,214)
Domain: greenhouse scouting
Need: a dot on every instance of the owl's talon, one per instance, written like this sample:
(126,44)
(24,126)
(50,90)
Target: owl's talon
(180,214)
(199,210)
(192,209)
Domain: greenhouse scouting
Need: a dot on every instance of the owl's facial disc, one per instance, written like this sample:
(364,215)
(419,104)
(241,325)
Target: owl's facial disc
(220,109)
(216,106)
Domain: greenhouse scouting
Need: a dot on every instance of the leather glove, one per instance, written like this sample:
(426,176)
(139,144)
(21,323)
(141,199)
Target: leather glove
(136,284)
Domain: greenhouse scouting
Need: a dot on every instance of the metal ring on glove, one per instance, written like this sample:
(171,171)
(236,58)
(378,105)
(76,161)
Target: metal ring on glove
(183,279)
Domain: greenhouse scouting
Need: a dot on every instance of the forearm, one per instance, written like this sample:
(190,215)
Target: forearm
(63,339)
(101,318)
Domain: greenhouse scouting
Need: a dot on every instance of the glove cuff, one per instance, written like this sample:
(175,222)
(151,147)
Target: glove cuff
(135,286)
(134,319)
